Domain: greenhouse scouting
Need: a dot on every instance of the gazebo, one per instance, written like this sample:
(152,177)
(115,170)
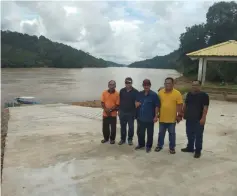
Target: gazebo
(226,51)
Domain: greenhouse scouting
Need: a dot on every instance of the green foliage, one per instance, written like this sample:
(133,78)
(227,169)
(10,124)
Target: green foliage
(184,89)
(220,26)
(162,62)
(22,50)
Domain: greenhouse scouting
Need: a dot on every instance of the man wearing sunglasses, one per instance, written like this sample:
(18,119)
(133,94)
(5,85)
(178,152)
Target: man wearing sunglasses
(110,104)
(148,105)
(195,111)
(127,111)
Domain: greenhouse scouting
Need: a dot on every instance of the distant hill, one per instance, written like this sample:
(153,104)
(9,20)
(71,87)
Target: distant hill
(22,50)
(168,61)
(220,26)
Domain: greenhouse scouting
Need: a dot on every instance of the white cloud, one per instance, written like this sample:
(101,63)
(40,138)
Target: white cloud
(70,10)
(118,31)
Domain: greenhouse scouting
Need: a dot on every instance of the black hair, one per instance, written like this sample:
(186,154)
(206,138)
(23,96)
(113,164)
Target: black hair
(169,78)
(128,78)
(199,82)
(112,81)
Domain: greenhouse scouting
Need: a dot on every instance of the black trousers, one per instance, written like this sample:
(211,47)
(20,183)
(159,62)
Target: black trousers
(144,127)
(109,127)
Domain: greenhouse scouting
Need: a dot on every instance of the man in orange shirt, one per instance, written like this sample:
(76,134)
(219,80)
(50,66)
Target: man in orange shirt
(110,104)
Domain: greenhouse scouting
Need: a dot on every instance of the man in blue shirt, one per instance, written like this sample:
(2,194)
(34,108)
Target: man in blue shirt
(148,104)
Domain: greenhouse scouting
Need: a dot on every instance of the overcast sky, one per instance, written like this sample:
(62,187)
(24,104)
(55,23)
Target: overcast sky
(119,31)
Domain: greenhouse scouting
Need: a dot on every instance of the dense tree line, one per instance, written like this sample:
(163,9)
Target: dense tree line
(220,26)
(22,50)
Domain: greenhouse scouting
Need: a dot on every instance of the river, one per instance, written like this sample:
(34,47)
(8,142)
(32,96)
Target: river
(51,85)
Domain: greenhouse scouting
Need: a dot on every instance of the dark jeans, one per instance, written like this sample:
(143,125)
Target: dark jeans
(141,131)
(109,127)
(194,133)
(124,120)
(172,134)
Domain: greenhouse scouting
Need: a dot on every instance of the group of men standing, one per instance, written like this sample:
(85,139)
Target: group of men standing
(148,107)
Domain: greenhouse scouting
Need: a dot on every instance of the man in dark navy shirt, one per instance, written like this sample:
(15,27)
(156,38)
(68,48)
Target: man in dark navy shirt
(195,111)
(127,111)
(148,104)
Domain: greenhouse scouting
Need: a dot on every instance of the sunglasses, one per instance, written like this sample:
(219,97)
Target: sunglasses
(128,82)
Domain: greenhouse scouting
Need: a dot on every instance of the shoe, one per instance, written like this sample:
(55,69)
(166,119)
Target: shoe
(112,142)
(139,148)
(197,155)
(187,150)
(148,150)
(172,151)
(130,142)
(104,141)
(121,142)
(158,149)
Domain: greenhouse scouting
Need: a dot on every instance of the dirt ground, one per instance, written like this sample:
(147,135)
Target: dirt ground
(93,104)
(4,127)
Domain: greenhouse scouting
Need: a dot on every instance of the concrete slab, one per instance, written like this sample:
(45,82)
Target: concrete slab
(55,150)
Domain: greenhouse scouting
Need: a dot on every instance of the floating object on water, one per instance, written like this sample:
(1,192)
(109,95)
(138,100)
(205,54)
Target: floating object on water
(26,100)
(18,101)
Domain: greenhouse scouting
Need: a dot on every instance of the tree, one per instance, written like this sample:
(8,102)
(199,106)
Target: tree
(221,22)
(22,50)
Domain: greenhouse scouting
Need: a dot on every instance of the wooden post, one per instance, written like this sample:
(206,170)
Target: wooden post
(204,70)
(200,68)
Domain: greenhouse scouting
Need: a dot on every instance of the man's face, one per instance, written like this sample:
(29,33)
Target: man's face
(128,84)
(112,85)
(146,87)
(196,86)
(168,85)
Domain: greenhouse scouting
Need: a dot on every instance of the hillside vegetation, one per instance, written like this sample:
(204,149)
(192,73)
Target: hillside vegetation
(22,50)
(220,26)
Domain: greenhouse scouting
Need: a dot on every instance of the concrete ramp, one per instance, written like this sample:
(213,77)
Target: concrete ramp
(55,150)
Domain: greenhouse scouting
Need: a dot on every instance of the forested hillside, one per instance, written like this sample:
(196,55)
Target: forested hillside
(22,50)
(220,26)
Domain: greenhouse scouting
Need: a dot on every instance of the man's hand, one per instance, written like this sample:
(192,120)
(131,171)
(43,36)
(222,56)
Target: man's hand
(137,104)
(179,117)
(107,111)
(155,119)
(202,121)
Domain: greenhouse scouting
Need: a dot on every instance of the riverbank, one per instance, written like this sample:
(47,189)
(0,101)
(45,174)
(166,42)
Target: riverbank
(183,84)
(4,128)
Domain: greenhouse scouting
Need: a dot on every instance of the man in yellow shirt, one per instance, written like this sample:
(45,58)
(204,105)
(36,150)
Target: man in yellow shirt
(170,113)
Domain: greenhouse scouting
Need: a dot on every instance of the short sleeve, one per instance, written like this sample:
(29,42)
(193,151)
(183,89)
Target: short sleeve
(118,99)
(103,97)
(187,98)
(179,98)
(205,99)
(156,100)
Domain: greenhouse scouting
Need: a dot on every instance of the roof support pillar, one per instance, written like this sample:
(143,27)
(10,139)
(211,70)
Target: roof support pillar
(200,68)
(204,70)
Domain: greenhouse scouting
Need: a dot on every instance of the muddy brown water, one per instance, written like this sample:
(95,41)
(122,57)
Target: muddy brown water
(71,85)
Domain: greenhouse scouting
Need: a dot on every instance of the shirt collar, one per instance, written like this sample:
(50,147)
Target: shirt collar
(111,91)
(169,91)
(130,89)
(147,93)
